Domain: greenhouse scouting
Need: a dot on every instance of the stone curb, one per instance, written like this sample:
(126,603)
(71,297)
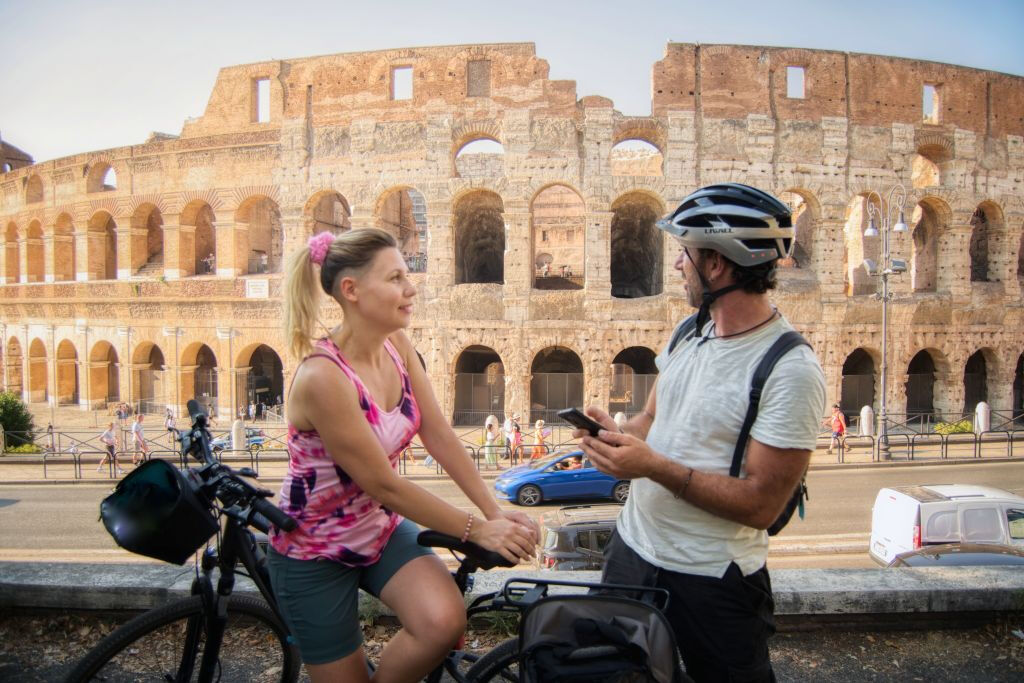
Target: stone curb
(798,592)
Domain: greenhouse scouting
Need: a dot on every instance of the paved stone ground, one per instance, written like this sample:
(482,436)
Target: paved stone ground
(37,648)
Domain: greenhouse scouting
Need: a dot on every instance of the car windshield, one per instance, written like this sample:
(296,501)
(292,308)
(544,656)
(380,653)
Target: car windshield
(544,462)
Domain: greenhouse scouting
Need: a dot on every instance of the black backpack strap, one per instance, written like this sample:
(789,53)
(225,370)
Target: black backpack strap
(782,346)
(686,329)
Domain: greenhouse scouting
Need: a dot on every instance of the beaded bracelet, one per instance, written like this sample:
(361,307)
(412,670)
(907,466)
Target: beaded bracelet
(469,526)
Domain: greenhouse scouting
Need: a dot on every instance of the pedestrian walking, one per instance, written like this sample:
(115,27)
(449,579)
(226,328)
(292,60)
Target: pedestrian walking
(491,437)
(109,440)
(252,412)
(139,444)
(837,422)
(540,435)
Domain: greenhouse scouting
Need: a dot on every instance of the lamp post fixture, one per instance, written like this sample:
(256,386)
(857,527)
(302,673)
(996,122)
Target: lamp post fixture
(888,266)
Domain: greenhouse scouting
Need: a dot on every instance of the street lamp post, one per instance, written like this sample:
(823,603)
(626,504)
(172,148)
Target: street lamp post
(888,266)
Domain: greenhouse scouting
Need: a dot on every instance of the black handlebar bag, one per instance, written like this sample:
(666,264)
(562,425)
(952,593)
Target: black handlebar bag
(158,512)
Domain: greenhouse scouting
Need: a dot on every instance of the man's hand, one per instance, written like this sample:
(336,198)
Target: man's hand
(598,416)
(621,455)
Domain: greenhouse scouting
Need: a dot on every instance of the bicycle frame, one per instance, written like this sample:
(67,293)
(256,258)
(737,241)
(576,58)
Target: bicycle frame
(237,545)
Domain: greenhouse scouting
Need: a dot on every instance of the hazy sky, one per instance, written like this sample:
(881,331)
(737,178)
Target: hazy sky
(84,76)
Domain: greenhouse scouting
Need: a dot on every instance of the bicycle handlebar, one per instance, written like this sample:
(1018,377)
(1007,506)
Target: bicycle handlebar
(241,500)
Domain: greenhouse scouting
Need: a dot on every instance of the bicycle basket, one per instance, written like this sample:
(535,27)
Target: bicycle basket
(157,512)
(596,638)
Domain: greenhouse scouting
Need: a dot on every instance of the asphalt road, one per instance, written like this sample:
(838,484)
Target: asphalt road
(60,522)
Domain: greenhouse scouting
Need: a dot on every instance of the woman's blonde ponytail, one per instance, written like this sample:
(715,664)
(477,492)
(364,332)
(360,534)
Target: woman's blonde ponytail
(301,303)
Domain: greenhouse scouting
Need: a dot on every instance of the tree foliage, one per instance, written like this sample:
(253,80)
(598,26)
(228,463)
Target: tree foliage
(16,420)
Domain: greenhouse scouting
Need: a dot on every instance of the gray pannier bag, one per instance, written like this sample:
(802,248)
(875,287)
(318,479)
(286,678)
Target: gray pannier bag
(598,637)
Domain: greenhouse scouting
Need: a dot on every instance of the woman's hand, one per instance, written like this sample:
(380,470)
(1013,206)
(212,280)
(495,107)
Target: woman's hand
(523,519)
(511,540)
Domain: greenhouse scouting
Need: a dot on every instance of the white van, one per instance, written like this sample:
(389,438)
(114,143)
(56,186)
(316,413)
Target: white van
(908,517)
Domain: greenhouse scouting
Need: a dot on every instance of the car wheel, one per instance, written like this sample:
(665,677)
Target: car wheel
(529,495)
(620,492)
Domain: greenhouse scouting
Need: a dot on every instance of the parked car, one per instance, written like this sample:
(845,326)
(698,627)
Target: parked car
(574,537)
(960,555)
(549,478)
(907,518)
(255,439)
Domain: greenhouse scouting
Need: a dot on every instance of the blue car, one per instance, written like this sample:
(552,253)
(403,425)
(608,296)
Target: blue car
(568,474)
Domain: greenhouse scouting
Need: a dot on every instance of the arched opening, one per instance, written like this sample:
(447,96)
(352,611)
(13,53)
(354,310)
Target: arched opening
(480,158)
(104,379)
(198,246)
(986,228)
(201,383)
(402,213)
(101,178)
(859,247)
(557,214)
(262,217)
(328,212)
(262,386)
(5,167)
(633,377)
(634,156)
(33,189)
(35,261)
(921,385)
(15,383)
(64,258)
(12,254)
(147,248)
(102,247)
(556,383)
(149,378)
(805,220)
(479,386)
(1018,390)
(479,238)
(926,166)
(67,374)
(37,373)
(636,246)
(975,381)
(925,258)
(858,388)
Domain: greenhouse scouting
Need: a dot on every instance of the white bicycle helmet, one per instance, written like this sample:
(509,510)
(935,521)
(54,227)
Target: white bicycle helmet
(747,226)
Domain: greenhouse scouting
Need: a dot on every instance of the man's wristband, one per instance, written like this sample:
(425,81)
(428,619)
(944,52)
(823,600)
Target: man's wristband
(686,484)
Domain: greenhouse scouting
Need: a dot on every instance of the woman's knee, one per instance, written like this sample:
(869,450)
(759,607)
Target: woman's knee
(441,622)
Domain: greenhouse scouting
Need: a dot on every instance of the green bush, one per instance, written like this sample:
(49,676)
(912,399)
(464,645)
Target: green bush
(964,426)
(16,420)
(25,448)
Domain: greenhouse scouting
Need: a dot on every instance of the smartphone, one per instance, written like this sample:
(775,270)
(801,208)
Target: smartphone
(576,418)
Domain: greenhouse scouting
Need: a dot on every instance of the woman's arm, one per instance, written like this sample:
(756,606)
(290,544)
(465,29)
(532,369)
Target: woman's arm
(327,400)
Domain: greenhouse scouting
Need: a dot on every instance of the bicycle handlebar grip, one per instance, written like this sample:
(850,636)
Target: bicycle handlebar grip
(275,514)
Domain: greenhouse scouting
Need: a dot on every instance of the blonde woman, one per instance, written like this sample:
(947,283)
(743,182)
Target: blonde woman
(540,435)
(358,397)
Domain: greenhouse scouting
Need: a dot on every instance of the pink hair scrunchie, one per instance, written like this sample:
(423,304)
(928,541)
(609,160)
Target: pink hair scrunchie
(318,246)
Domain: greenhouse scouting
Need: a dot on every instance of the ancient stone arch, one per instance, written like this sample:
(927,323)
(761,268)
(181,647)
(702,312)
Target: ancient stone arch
(197,250)
(557,218)
(402,213)
(927,226)
(264,237)
(35,261)
(806,219)
(858,247)
(104,375)
(199,376)
(987,241)
(633,373)
(64,252)
(980,368)
(479,236)
(100,177)
(636,246)
(479,375)
(149,379)
(556,382)
(860,373)
(327,211)
(259,377)
(38,372)
(33,189)
(67,373)
(102,246)
(12,254)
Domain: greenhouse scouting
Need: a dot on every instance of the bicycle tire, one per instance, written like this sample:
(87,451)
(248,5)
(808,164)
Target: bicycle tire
(149,647)
(501,663)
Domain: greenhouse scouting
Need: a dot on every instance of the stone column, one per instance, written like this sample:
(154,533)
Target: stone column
(953,273)
(224,407)
(829,246)
(81,247)
(126,234)
(517,268)
(186,386)
(1000,389)
(440,274)
(23,259)
(186,251)
(49,270)
(173,269)
(598,230)
(230,239)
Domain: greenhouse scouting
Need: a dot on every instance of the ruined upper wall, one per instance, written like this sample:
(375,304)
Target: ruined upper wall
(732,81)
(335,89)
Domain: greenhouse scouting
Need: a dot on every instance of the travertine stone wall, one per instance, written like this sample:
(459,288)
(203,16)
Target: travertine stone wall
(110,270)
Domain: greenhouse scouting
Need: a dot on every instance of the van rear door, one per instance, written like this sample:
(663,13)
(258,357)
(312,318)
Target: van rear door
(895,525)
(982,523)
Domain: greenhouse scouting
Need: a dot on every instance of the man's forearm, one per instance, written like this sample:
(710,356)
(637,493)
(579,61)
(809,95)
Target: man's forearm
(737,500)
(639,425)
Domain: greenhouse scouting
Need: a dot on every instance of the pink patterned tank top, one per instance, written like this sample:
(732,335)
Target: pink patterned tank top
(337,519)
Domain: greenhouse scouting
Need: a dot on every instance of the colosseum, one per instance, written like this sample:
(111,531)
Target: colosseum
(151,273)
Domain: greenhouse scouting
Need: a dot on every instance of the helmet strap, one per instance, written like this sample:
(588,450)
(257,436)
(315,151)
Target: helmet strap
(708,297)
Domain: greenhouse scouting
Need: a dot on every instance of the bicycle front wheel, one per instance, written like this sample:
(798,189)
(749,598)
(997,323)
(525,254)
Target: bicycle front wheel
(499,664)
(166,644)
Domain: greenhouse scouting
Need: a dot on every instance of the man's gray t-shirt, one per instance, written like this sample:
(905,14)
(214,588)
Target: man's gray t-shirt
(703,392)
